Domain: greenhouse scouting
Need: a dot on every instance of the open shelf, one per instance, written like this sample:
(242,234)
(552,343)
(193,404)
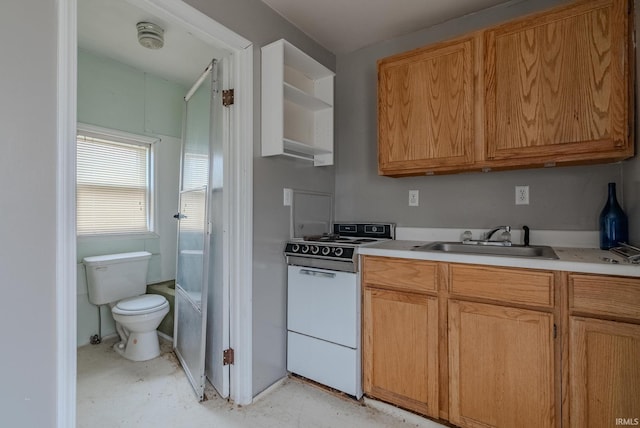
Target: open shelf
(297,105)
(302,148)
(304,100)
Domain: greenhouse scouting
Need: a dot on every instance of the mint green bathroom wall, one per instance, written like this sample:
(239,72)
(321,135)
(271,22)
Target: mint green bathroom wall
(163,117)
(116,96)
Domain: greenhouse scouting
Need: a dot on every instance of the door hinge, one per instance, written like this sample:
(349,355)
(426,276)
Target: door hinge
(227,357)
(555,331)
(227,97)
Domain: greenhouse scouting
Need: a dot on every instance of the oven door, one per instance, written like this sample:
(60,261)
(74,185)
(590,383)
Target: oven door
(324,304)
(323,317)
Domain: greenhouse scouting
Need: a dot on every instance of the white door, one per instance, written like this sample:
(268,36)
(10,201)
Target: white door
(199,246)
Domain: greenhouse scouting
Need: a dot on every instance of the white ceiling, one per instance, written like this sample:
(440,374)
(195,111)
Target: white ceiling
(108,28)
(343,26)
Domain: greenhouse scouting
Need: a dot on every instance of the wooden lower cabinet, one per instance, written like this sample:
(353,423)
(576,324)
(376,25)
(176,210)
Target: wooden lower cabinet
(604,367)
(478,345)
(400,348)
(501,370)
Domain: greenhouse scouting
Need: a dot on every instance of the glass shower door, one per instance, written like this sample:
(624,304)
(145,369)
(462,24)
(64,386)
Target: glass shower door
(193,232)
(191,290)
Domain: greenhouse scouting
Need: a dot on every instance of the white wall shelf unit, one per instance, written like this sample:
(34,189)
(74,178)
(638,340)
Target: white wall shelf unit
(297,105)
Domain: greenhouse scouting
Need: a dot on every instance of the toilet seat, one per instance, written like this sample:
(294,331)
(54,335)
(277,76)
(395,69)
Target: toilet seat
(140,305)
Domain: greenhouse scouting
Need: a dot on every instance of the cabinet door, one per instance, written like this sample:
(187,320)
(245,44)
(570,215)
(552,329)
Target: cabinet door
(425,109)
(400,350)
(557,86)
(500,366)
(604,377)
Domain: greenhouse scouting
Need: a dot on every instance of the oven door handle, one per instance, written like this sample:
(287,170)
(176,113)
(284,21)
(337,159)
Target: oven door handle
(316,273)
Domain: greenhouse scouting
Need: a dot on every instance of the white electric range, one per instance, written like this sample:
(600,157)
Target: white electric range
(323,305)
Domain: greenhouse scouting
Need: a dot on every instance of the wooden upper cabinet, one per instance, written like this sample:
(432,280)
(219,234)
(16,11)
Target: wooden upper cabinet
(425,109)
(557,86)
(554,88)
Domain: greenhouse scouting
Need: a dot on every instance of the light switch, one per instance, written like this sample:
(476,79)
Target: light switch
(287,194)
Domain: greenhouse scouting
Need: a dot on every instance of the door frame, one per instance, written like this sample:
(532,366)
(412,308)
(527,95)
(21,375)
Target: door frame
(240,186)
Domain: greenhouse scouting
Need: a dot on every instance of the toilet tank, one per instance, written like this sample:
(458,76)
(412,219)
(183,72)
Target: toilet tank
(113,277)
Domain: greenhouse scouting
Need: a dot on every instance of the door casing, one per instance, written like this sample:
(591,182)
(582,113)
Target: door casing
(241,203)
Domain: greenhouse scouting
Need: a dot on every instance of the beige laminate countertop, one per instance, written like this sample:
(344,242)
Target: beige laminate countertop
(584,260)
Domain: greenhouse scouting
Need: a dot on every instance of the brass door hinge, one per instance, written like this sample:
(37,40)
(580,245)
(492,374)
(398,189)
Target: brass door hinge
(227,357)
(227,97)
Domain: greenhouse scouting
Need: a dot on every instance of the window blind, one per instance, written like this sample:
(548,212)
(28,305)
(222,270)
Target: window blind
(112,186)
(195,171)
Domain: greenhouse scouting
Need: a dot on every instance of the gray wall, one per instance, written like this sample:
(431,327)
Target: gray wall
(256,22)
(28,207)
(567,198)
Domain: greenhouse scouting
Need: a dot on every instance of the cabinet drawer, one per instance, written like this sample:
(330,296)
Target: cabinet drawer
(605,295)
(404,274)
(523,286)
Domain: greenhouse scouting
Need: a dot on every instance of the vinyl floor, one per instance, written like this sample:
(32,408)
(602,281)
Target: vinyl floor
(114,392)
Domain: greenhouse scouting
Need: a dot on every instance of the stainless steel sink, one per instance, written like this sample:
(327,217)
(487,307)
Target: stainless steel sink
(532,251)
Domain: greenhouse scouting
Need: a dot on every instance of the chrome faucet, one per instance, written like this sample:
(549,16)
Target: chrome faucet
(506,241)
(490,233)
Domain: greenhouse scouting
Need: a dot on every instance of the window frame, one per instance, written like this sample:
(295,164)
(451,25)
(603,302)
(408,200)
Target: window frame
(118,136)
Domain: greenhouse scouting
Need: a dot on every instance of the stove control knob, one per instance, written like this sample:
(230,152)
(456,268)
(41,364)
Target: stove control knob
(314,249)
(305,249)
(338,252)
(326,251)
(295,248)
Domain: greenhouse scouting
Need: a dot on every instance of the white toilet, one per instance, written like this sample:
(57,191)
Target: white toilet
(120,280)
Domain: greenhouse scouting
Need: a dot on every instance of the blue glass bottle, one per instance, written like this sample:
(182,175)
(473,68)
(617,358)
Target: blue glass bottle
(614,226)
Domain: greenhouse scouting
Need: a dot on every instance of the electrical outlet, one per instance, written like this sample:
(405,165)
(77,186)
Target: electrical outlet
(414,198)
(522,195)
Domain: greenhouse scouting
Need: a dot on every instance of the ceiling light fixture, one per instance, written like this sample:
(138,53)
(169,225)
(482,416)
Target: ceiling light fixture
(150,35)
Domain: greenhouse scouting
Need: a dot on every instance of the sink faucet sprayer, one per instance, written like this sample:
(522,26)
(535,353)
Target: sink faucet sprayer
(526,235)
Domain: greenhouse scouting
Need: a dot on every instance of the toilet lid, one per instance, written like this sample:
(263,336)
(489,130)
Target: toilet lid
(140,304)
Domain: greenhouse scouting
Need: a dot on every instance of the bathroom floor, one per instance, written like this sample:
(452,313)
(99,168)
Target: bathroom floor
(113,392)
